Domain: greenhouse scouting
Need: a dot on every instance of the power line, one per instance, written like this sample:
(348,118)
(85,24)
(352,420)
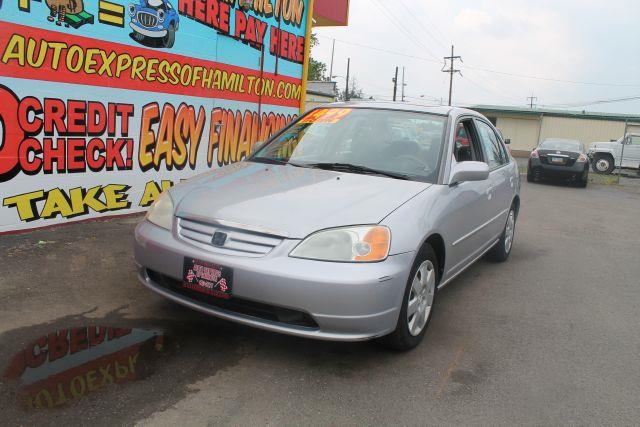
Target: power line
(487,70)
(399,25)
(493,91)
(550,79)
(391,52)
(420,24)
(596,102)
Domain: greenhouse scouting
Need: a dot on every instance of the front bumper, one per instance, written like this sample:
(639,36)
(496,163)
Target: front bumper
(348,302)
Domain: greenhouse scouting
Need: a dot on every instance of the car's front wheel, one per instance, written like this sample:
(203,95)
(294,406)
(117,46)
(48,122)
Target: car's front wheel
(169,39)
(417,304)
(500,252)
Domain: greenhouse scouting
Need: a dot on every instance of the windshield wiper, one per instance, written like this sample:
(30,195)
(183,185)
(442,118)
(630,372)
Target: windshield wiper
(268,160)
(348,167)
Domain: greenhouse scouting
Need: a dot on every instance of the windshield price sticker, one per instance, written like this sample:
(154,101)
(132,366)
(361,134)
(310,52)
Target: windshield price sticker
(326,115)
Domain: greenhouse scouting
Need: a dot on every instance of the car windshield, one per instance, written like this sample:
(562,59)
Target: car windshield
(561,145)
(398,144)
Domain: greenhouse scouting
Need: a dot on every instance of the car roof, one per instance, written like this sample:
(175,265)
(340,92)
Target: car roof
(561,140)
(442,110)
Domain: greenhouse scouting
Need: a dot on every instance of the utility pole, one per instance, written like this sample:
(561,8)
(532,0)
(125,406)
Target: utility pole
(346,91)
(403,84)
(531,100)
(395,86)
(451,71)
(333,49)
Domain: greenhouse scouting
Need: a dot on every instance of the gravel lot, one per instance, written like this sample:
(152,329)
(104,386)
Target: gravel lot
(552,336)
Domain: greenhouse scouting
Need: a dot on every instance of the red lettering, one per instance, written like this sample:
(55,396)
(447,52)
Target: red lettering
(30,105)
(12,134)
(75,155)
(241,23)
(52,154)
(76,115)
(58,344)
(97,334)
(54,113)
(95,163)
(96,118)
(36,354)
(79,340)
(30,166)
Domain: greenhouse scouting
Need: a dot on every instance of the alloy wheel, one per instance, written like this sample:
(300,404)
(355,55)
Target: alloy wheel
(509,231)
(421,296)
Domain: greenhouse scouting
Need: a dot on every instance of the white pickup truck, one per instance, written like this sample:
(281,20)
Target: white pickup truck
(606,156)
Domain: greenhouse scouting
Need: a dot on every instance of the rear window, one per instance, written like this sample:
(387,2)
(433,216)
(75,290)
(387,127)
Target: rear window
(561,145)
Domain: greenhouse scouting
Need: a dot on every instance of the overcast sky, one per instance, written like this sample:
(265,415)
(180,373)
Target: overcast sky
(589,41)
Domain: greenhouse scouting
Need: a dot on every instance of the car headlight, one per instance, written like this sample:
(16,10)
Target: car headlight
(347,244)
(161,16)
(132,10)
(161,212)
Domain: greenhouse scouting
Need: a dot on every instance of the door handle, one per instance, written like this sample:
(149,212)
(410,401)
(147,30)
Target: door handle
(489,192)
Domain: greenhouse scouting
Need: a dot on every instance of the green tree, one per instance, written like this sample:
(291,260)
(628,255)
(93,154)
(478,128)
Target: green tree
(317,69)
(355,91)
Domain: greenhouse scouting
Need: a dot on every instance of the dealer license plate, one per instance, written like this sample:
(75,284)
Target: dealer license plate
(207,278)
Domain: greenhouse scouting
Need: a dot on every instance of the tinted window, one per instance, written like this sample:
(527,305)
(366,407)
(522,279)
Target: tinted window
(494,156)
(553,144)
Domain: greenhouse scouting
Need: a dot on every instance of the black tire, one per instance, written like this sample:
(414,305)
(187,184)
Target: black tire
(600,160)
(169,39)
(584,179)
(501,251)
(401,338)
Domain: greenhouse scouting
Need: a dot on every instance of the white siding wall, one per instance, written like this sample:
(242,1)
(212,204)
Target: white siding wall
(585,130)
(523,133)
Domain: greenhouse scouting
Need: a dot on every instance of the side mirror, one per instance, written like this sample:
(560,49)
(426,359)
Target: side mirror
(507,141)
(469,171)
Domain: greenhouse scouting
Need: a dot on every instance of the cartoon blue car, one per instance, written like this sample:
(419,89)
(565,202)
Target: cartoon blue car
(154,22)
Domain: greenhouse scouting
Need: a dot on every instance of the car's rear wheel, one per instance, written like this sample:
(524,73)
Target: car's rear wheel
(584,178)
(417,304)
(603,163)
(500,252)
(530,176)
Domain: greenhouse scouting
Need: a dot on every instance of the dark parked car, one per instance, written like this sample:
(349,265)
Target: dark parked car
(559,158)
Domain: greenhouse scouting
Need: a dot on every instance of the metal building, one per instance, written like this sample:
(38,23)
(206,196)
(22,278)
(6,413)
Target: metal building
(526,127)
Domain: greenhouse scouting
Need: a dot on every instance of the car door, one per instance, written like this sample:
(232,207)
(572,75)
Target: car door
(631,157)
(500,178)
(468,203)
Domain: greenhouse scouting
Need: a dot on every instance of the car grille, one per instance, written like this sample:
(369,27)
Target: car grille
(147,19)
(237,305)
(238,242)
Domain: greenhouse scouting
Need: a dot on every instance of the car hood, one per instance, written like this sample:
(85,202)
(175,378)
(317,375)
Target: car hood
(603,145)
(290,201)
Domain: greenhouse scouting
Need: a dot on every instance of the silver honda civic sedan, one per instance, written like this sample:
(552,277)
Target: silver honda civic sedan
(343,226)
